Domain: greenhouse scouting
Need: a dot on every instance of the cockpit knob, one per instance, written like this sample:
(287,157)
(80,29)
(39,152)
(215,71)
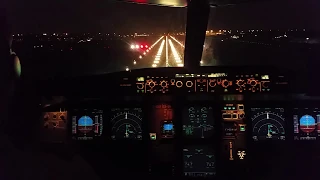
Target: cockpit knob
(46,118)
(63,118)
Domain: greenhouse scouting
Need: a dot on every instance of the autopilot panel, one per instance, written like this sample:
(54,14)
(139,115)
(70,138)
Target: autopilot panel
(210,83)
(87,124)
(198,122)
(268,124)
(126,123)
(199,161)
(306,123)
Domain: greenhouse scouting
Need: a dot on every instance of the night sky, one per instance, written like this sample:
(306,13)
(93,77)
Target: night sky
(106,16)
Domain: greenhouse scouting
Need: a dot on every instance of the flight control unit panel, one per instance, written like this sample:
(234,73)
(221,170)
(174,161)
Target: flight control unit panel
(207,83)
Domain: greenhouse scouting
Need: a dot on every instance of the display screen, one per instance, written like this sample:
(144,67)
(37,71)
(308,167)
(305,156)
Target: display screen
(233,125)
(167,129)
(306,123)
(54,126)
(268,124)
(199,161)
(87,124)
(198,122)
(126,123)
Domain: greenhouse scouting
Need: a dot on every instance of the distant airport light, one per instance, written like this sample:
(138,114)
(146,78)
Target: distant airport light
(201,62)
(144,53)
(140,57)
(154,65)
(147,50)
(127,69)
(146,46)
(133,46)
(141,46)
(134,62)
(137,46)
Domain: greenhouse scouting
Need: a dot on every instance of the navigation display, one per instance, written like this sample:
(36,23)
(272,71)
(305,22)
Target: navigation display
(306,123)
(198,122)
(126,123)
(268,124)
(199,161)
(87,124)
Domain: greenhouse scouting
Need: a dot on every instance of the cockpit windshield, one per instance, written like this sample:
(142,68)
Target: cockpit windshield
(275,33)
(81,37)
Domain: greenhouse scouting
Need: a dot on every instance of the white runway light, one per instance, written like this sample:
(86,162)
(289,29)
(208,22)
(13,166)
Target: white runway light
(158,55)
(176,56)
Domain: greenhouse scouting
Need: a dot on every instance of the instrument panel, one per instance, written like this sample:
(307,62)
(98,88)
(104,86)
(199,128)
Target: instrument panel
(126,123)
(162,121)
(306,123)
(210,83)
(86,124)
(206,136)
(199,161)
(268,123)
(198,122)
(197,129)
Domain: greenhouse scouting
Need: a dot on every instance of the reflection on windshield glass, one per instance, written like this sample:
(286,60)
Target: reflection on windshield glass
(95,38)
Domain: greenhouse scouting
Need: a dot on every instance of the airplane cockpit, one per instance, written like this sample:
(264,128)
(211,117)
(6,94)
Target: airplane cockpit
(191,122)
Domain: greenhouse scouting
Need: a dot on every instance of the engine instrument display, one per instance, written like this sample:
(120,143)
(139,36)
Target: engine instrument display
(268,123)
(306,123)
(198,122)
(87,124)
(126,123)
(199,161)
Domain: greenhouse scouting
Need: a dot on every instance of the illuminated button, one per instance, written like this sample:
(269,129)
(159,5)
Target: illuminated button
(189,83)
(179,84)
(153,136)
(242,127)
